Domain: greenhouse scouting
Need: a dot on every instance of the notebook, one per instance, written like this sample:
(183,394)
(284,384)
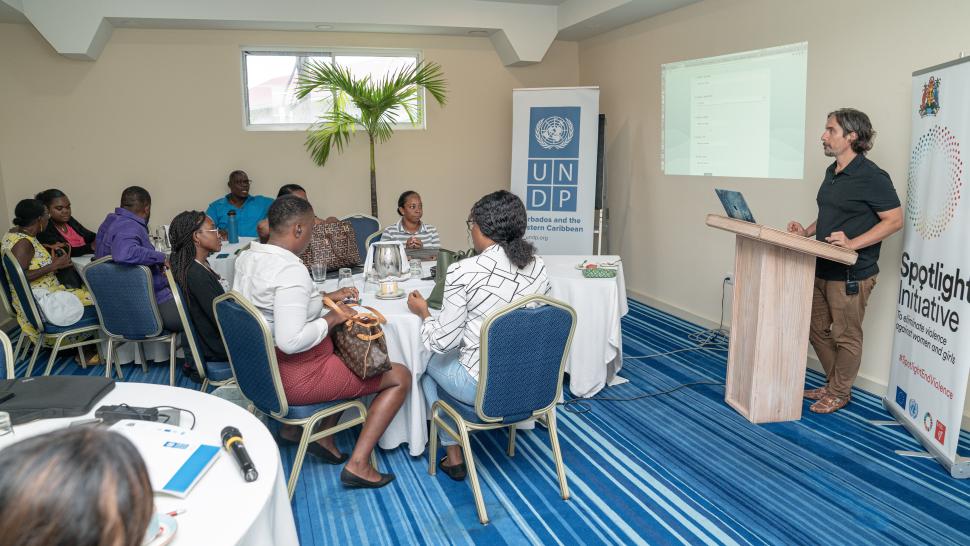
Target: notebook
(176,457)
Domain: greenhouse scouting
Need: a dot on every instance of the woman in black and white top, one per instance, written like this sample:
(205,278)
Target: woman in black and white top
(504,270)
(194,237)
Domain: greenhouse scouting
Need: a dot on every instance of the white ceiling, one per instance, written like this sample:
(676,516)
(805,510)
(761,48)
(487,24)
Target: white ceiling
(520,30)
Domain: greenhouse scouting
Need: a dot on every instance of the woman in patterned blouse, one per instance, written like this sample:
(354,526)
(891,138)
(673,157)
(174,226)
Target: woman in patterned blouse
(504,270)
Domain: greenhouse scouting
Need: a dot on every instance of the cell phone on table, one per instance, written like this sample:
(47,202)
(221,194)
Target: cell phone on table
(222,256)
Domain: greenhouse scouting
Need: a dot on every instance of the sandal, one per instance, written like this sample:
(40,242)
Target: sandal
(817,394)
(456,472)
(829,404)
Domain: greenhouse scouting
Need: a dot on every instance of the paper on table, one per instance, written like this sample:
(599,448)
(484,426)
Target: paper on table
(176,457)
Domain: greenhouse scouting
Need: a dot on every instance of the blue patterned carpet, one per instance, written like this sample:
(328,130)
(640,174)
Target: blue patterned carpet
(677,468)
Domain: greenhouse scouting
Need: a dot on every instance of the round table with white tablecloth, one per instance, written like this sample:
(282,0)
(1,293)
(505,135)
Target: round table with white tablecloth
(222,508)
(594,358)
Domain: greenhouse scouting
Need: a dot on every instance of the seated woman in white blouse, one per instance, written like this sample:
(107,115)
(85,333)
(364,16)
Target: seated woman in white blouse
(410,230)
(505,269)
(272,277)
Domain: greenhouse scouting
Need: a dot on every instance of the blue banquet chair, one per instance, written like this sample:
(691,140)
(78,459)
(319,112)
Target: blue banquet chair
(512,356)
(252,356)
(215,374)
(87,324)
(125,300)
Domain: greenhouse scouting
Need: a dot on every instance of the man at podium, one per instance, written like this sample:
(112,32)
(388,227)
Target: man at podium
(857,209)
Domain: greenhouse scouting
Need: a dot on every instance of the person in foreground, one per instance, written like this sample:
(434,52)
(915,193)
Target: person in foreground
(274,280)
(410,229)
(504,270)
(857,209)
(194,237)
(124,236)
(249,209)
(82,486)
(64,231)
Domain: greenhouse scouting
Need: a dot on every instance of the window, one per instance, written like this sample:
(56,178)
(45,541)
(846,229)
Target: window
(270,77)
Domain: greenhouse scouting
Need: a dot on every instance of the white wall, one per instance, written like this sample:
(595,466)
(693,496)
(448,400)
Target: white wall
(861,54)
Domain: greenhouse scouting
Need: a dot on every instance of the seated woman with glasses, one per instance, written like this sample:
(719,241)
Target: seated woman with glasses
(84,486)
(64,231)
(504,270)
(410,229)
(194,237)
(274,280)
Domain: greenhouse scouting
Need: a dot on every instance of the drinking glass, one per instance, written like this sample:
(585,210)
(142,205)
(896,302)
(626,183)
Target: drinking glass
(415,268)
(345,278)
(6,427)
(161,235)
(319,272)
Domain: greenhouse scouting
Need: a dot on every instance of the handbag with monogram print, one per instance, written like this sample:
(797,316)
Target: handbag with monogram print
(360,342)
(332,243)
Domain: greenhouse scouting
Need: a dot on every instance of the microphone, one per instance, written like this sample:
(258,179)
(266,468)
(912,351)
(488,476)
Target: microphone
(233,442)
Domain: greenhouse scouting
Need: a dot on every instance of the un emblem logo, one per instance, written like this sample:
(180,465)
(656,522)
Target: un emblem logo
(554,132)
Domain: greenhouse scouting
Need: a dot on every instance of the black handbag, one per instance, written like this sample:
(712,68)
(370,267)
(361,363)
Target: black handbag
(50,397)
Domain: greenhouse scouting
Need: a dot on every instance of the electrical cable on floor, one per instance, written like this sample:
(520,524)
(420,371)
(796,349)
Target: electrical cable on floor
(713,339)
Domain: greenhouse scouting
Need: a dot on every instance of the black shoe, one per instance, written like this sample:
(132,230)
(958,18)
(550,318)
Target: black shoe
(317,451)
(353,481)
(456,472)
(325,454)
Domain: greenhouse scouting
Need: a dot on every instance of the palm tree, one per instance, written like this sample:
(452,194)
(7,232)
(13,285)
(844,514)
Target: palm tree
(377,103)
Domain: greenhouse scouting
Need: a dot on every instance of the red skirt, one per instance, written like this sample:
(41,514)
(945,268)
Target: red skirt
(318,375)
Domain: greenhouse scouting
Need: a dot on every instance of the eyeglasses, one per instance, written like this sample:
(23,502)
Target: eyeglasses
(246,181)
(209,230)
(469,223)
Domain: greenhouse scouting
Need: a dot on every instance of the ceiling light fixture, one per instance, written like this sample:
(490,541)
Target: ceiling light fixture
(324,27)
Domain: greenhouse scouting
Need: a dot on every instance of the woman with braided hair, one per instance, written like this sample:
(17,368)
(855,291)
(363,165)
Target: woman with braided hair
(194,236)
(504,270)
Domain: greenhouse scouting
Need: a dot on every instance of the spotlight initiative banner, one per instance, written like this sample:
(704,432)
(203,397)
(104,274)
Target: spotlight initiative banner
(931,347)
(554,132)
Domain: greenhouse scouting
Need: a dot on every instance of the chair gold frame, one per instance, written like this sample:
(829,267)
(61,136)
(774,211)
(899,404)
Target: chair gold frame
(42,336)
(8,355)
(308,423)
(189,340)
(547,414)
(171,338)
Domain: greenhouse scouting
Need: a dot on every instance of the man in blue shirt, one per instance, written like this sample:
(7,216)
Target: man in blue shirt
(250,209)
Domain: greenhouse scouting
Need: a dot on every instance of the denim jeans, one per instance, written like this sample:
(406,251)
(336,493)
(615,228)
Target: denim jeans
(445,372)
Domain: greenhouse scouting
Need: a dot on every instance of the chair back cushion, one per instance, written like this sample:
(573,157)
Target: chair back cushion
(21,291)
(364,227)
(249,344)
(523,350)
(125,299)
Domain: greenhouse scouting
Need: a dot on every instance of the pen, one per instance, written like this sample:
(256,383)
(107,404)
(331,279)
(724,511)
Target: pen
(174,513)
(7,396)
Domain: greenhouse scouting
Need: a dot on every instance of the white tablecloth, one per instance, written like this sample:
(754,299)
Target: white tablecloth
(222,508)
(594,358)
(224,261)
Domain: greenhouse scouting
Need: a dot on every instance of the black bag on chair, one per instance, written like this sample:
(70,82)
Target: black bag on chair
(445,259)
(50,397)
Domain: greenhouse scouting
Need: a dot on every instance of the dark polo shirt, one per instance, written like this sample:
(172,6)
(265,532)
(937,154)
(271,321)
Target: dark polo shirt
(849,201)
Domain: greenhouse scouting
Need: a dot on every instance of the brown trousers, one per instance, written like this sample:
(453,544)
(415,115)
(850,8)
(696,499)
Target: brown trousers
(836,331)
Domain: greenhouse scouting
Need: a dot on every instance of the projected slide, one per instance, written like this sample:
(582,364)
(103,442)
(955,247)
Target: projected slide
(738,115)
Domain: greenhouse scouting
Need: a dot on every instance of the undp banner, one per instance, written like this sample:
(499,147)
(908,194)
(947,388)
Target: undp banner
(554,134)
(931,347)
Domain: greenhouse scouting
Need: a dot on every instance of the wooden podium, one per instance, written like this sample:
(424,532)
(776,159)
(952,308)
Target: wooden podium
(774,276)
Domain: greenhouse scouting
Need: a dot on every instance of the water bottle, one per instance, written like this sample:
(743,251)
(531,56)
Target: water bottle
(231,230)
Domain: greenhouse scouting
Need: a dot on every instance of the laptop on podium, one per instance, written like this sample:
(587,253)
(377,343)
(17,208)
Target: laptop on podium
(734,205)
